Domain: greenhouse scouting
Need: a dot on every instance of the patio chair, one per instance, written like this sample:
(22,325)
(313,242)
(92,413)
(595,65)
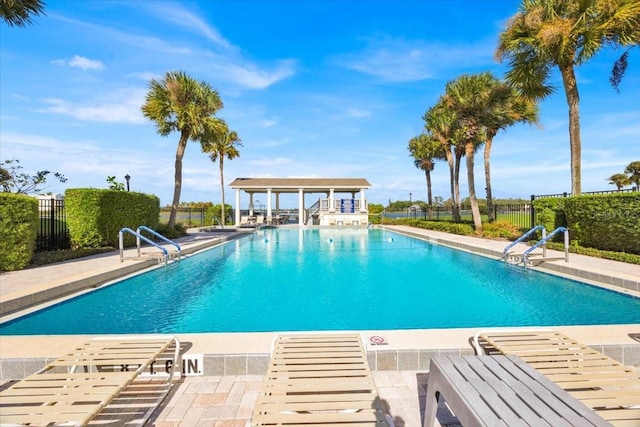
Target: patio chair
(319,379)
(78,387)
(603,384)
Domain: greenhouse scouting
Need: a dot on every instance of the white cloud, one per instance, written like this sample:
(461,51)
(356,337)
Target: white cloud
(184,18)
(276,161)
(85,63)
(122,106)
(79,62)
(399,60)
(250,76)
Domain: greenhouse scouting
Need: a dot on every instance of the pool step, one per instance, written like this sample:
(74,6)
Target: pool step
(159,256)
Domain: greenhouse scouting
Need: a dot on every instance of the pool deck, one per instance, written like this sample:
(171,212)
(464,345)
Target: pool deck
(235,363)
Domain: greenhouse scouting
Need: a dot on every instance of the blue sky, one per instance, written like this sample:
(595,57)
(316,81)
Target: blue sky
(314,89)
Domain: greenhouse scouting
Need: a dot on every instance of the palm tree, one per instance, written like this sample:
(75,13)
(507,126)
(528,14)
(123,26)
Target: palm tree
(619,180)
(634,169)
(440,122)
(564,34)
(425,149)
(220,142)
(180,103)
(18,13)
(510,108)
(472,97)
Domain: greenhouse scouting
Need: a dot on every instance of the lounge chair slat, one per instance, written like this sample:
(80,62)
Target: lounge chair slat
(280,418)
(592,377)
(40,420)
(319,406)
(320,379)
(86,393)
(273,398)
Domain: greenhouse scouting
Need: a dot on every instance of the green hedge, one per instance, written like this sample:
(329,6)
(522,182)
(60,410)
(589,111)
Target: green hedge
(609,222)
(19,220)
(95,216)
(551,214)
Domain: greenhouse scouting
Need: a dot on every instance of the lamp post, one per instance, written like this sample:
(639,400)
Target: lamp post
(127,177)
(409,198)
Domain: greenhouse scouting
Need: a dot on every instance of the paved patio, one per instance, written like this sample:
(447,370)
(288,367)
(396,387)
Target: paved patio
(229,401)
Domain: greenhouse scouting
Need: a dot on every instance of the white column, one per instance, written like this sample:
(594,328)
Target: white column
(277,204)
(269,215)
(300,206)
(250,204)
(363,201)
(237,219)
(332,205)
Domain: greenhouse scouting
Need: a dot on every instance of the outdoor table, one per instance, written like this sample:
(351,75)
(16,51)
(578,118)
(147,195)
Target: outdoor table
(501,391)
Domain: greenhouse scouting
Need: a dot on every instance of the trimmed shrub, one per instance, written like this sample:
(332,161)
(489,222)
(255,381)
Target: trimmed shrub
(95,216)
(609,222)
(462,229)
(501,229)
(550,212)
(19,220)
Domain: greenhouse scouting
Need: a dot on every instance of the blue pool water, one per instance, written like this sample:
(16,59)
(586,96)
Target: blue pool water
(330,279)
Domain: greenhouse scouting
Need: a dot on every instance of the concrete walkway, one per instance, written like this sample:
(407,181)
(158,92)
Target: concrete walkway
(228,399)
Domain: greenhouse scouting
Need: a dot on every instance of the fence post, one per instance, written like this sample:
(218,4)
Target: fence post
(52,225)
(533,213)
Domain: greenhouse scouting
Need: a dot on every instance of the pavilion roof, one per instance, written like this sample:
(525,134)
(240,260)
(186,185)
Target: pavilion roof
(291,185)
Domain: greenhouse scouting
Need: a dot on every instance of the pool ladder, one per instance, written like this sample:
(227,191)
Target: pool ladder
(166,254)
(512,258)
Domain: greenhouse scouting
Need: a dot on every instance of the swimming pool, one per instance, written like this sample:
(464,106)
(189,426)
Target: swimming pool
(330,279)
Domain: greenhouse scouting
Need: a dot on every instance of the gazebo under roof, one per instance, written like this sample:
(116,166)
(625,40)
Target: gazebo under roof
(303,186)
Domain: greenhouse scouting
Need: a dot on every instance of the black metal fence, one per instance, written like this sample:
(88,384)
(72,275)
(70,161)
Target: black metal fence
(192,217)
(565,194)
(518,214)
(52,233)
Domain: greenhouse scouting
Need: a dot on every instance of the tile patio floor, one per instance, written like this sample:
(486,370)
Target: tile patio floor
(229,401)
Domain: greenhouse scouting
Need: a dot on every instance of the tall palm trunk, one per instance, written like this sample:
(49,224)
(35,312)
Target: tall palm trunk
(458,201)
(427,174)
(487,175)
(222,215)
(475,211)
(454,205)
(573,100)
(182,146)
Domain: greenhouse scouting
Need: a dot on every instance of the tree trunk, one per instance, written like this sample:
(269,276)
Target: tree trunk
(457,217)
(573,100)
(182,145)
(487,175)
(427,174)
(454,206)
(475,211)
(222,216)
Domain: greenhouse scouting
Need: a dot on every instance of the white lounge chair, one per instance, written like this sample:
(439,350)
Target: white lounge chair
(74,389)
(319,379)
(603,384)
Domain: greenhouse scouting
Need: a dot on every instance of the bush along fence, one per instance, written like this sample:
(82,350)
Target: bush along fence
(595,219)
(519,214)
